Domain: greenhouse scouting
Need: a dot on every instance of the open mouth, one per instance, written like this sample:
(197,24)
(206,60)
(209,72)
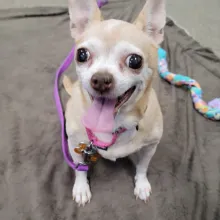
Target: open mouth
(100,115)
(121,100)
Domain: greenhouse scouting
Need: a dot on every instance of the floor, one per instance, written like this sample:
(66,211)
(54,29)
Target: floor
(199,17)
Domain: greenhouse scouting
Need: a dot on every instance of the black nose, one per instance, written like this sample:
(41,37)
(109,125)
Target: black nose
(102,82)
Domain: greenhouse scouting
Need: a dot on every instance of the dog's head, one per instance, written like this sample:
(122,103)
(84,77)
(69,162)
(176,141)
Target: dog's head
(116,60)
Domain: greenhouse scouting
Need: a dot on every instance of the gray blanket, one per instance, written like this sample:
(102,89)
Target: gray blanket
(35,181)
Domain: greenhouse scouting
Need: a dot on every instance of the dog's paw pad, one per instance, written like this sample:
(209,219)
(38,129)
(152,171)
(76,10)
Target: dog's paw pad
(142,189)
(81,193)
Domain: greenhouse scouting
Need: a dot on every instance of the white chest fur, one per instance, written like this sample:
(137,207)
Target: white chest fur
(121,144)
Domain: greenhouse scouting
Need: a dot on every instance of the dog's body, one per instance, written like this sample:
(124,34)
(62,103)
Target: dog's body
(128,142)
(109,45)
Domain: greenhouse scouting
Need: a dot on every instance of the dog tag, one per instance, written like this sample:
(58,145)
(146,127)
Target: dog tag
(94,158)
(88,151)
(81,147)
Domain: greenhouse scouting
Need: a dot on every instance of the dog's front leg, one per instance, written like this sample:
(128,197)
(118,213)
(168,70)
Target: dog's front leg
(81,190)
(141,159)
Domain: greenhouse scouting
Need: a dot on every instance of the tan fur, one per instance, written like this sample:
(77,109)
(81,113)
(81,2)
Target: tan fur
(140,21)
(144,111)
(142,104)
(68,85)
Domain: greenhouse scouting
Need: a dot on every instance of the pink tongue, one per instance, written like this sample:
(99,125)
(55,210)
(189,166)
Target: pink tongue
(100,116)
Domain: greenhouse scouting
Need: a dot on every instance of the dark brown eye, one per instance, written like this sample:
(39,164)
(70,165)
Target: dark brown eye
(134,61)
(82,55)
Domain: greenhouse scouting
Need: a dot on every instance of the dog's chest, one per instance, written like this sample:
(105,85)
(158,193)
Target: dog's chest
(121,143)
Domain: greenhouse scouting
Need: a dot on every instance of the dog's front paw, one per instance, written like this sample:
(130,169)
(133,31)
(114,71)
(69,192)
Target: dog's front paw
(142,189)
(81,193)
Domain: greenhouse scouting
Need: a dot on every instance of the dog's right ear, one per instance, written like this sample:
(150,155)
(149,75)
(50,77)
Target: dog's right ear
(82,13)
(68,85)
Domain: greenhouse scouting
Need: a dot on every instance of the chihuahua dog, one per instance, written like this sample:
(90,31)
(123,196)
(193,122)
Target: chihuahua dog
(116,62)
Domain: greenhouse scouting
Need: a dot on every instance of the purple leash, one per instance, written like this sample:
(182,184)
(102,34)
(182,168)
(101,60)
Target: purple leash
(63,67)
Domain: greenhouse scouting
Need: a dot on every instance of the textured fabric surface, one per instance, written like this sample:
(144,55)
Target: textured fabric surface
(36,183)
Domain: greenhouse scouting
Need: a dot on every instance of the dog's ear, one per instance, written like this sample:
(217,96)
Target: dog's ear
(82,13)
(152,19)
(68,84)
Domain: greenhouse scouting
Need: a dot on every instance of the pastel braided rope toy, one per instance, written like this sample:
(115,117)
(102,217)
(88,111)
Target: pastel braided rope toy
(210,110)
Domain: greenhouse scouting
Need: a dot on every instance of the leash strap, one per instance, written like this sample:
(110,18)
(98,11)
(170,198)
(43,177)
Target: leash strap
(63,67)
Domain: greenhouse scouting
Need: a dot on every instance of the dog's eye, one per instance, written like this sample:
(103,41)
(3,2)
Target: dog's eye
(134,61)
(82,55)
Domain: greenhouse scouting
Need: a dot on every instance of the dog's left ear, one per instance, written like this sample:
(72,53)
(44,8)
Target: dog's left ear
(152,19)
(82,13)
(68,84)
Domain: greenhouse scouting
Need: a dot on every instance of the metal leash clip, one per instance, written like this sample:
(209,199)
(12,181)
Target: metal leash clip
(88,151)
